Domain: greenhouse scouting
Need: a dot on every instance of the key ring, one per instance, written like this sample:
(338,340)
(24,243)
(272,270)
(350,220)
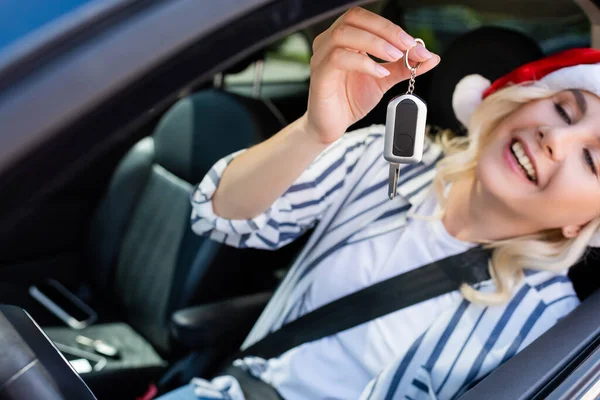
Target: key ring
(413,69)
(404,144)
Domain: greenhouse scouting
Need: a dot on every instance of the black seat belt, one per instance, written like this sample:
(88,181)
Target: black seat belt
(423,283)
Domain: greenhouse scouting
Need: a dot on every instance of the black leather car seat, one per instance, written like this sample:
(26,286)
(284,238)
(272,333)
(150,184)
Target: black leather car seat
(145,260)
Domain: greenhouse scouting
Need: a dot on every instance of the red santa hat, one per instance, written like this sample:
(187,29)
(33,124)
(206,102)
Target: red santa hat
(570,69)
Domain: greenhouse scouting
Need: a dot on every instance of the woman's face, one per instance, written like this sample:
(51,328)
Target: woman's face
(542,162)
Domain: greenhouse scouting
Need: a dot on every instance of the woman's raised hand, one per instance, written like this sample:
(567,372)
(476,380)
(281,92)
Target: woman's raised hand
(345,82)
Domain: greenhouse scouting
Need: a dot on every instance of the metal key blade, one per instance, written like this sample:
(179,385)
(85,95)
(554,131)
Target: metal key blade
(393,180)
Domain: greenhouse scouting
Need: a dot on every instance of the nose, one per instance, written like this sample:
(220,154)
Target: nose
(555,141)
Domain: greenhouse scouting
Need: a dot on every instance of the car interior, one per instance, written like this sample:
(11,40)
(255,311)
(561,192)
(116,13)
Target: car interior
(159,304)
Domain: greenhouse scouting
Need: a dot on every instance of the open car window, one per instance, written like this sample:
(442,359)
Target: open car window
(286,61)
(283,70)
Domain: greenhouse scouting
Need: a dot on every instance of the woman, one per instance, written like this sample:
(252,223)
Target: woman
(525,183)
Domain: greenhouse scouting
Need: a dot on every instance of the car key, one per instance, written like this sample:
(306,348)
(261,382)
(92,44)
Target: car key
(404,129)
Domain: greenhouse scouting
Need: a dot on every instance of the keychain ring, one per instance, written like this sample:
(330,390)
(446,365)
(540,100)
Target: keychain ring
(406,57)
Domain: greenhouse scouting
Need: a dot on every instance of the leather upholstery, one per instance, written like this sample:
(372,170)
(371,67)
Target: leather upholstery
(210,325)
(112,217)
(200,129)
(149,254)
(146,260)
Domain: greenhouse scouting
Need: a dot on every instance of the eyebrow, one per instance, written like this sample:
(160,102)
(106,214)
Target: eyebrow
(580,100)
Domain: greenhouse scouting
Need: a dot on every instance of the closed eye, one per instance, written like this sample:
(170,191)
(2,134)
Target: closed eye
(589,160)
(563,114)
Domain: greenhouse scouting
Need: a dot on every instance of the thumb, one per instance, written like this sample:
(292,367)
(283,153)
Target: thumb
(399,72)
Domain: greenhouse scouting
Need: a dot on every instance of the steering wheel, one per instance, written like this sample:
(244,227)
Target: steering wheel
(31,367)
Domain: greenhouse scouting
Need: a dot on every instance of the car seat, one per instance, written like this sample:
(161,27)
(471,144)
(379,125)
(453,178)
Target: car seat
(145,260)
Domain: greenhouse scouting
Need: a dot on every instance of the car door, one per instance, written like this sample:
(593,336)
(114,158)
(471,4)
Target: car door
(46,239)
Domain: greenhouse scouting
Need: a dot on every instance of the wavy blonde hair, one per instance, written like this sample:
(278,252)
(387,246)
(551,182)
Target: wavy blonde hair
(547,250)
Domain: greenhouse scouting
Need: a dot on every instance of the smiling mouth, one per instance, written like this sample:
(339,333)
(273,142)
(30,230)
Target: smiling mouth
(523,160)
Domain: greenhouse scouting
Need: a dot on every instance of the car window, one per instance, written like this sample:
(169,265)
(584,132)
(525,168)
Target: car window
(439,26)
(287,61)
(19,18)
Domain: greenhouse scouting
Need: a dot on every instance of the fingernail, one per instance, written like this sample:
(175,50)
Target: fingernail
(381,71)
(408,40)
(423,52)
(393,52)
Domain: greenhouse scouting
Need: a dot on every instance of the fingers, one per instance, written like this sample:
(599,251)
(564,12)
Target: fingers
(385,29)
(351,61)
(345,45)
(362,31)
(352,38)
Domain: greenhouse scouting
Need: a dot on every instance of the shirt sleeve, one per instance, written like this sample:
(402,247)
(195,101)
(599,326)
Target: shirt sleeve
(297,210)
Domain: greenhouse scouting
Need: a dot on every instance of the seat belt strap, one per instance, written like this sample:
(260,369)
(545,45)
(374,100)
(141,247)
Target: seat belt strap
(420,284)
(252,387)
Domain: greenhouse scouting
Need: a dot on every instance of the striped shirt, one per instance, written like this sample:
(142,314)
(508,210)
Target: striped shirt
(345,191)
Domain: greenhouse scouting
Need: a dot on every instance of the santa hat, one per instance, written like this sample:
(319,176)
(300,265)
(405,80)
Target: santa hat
(570,69)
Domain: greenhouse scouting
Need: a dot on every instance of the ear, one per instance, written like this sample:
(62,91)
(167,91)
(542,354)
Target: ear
(571,231)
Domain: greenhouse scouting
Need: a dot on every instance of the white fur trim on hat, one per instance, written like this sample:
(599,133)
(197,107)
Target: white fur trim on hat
(467,96)
(468,92)
(582,77)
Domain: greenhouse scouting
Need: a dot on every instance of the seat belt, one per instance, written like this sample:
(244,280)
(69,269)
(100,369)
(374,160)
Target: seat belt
(252,387)
(423,283)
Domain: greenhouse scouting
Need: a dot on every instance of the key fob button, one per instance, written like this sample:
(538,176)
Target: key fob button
(406,124)
(403,145)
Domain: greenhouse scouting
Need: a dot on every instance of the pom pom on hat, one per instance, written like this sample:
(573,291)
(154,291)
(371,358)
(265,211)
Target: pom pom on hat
(570,69)
(468,95)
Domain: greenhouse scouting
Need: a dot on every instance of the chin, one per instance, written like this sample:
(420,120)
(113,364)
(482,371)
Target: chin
(492,183)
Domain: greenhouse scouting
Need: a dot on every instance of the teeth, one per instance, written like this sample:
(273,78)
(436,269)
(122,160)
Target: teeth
(522,158)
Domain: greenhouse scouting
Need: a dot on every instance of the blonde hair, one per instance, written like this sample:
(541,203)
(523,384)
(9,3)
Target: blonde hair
(548,250)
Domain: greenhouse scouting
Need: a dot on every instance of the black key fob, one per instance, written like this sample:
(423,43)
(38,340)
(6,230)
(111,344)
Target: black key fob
(405,129)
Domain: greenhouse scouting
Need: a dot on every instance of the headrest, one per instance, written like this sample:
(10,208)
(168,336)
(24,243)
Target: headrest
(488,51)
(199,130)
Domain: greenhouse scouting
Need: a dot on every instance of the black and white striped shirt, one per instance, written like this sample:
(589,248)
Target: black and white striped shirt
(345,191)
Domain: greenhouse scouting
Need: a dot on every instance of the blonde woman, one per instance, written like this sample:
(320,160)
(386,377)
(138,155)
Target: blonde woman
(525,183)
